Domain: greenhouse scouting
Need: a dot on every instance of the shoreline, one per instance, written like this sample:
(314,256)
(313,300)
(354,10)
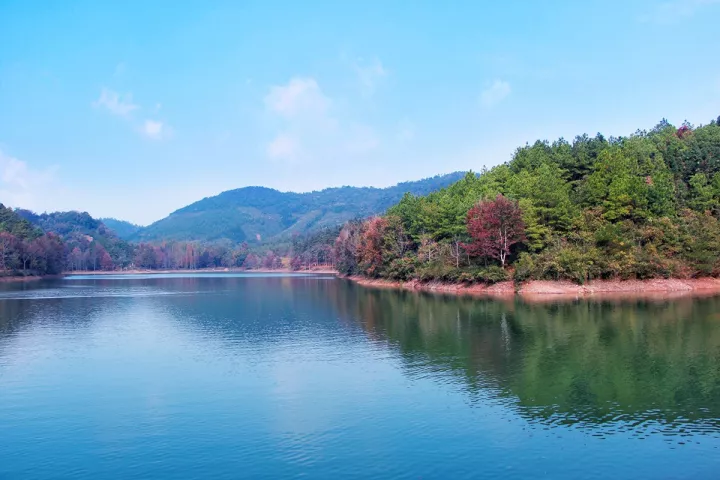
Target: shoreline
(533,290)
(551,290)
(28,278)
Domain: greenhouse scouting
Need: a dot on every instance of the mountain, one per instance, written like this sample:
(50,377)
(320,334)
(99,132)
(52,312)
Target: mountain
(79,229)
(123,229)
(256,214)
(15,224)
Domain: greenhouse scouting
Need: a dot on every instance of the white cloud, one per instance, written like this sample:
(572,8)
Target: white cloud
(676,10)
(155,130)
(115,103)
(369,74)
(495,93)
(313,129)
(23,186)
(301,96)
(123,106)
(284,147)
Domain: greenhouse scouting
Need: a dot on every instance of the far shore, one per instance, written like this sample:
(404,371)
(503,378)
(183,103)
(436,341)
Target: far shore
(197,270)
(26,278)
(534,290)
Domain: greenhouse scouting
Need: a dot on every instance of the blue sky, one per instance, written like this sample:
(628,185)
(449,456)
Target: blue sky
(134,109)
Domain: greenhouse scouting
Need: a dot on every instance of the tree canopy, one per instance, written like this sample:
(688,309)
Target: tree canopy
(642,206)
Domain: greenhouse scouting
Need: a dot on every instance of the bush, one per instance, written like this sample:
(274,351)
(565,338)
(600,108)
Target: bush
(491,274)
(647,263)
(441,272)
(525,267)
(402,268)
(561,261)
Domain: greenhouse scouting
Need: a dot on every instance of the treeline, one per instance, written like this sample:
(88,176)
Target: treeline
(51,243)
(25,249)
(642,206)
(190,255)
(636,207)
(300,252)
(87,243)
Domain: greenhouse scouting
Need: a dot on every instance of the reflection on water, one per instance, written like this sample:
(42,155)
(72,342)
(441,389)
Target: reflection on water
(612,366)
(266,376)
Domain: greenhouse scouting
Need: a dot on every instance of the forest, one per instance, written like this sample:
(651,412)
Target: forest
(53,243)
(26,249)
(636,207)
(260,215)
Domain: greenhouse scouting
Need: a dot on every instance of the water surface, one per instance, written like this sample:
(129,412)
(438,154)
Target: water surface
(267,376)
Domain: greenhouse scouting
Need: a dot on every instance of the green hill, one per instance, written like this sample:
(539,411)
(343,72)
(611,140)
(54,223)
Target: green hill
(123,229)
(256,214)
(12,222)
(79,230)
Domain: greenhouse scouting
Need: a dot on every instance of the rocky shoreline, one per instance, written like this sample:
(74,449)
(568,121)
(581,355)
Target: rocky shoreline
(551,290)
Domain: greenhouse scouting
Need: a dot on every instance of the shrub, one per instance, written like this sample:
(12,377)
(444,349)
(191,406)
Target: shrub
(401,268)
(491,274)
(524,267)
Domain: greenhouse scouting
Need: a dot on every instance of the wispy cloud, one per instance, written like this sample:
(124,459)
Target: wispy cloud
(301,96)
(122,105)
(116,103)
(673,11)
(284,146)
(310,129)
(369,74)
(23,186)
(155,130)
(495,93)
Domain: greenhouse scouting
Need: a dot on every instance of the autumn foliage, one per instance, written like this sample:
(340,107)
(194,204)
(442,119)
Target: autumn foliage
(495,226)
(636,207)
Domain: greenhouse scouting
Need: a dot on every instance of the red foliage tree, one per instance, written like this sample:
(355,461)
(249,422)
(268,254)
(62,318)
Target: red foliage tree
(105,260)
(370,249)
(270,261)
(296,263)
(251,261)
(683,131)
(495,226)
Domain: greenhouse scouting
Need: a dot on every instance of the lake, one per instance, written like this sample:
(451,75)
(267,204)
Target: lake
(275,376)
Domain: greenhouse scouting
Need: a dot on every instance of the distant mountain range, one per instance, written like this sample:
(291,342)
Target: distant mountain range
(251,214)
(259,214)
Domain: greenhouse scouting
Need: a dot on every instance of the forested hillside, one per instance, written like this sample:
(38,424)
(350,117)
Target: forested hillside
(258,214)
(642,206)
(89,243)
(122,229)
(314,219)
(636,207)
(25,249)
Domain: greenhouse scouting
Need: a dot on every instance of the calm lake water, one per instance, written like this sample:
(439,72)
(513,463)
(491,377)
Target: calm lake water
(269,376)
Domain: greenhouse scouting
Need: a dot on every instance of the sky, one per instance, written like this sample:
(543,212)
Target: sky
(133,109)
